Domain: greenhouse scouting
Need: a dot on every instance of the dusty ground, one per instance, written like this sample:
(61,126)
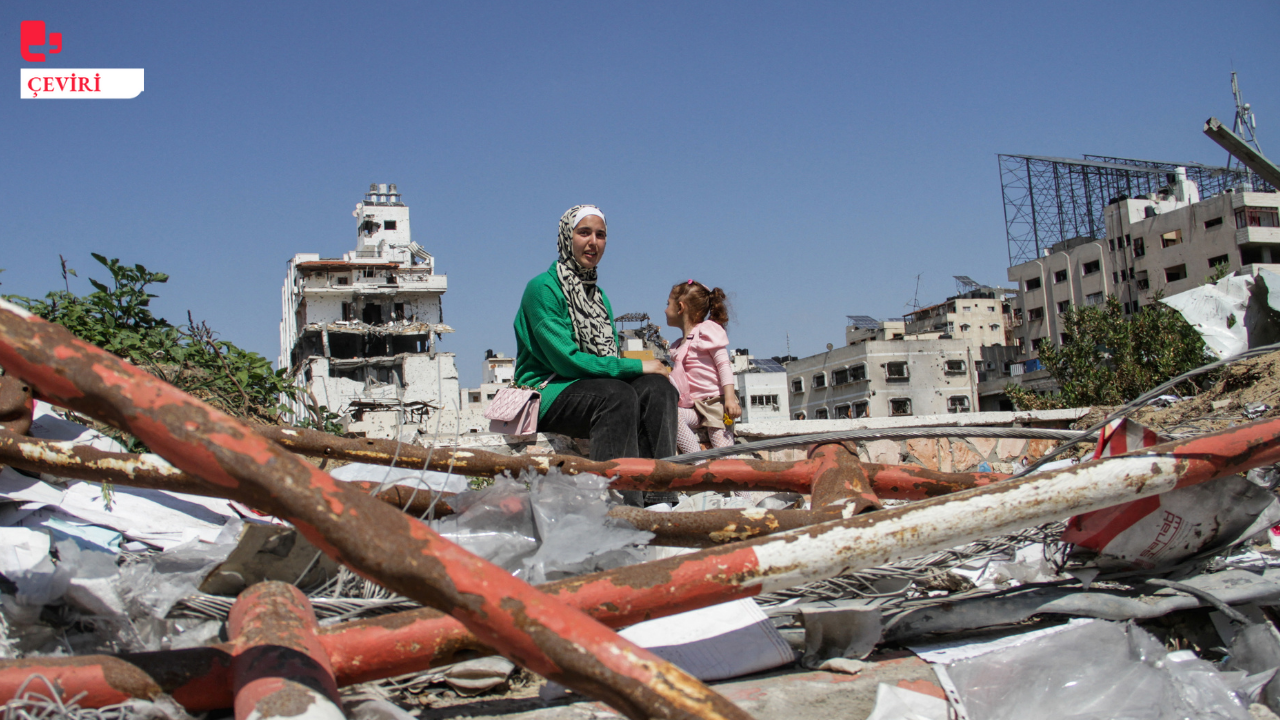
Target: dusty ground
(787,694)
(1221,405)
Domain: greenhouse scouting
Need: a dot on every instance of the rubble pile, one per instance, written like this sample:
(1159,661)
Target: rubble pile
(1157,608)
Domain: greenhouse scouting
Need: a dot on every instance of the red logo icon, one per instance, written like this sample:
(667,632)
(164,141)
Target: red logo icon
(33,36)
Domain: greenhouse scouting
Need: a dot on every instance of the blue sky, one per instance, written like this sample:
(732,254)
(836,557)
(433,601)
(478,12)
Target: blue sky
(810,158)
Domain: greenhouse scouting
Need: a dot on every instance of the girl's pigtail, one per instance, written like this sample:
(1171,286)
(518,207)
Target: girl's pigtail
(718,307)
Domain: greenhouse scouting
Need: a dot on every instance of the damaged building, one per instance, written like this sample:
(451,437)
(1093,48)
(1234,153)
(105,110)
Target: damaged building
(1080,231)
(359,332)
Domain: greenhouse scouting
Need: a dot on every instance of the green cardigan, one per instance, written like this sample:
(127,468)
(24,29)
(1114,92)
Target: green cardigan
(545,345)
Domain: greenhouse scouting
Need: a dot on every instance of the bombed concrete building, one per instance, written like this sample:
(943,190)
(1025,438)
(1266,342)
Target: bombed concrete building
(359,332)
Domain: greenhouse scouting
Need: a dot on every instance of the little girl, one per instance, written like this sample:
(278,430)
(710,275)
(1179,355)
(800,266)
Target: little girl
(700,364)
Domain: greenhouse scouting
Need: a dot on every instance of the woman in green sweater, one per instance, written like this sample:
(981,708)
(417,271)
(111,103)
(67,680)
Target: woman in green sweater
(565,335)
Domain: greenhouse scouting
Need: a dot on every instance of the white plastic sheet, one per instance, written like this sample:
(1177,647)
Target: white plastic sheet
(1233,314)
(1091,670)
(47,425)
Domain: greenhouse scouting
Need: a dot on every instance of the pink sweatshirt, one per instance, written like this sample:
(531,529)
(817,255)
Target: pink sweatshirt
(700,363)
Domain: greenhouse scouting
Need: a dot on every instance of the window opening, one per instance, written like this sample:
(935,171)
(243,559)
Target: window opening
(1257,217)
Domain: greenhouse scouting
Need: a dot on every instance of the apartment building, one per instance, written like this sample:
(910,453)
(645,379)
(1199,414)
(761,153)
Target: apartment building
(761,385)
(884,378)
(1156,245)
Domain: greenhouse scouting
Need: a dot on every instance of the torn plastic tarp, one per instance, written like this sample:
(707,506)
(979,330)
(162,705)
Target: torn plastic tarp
(25,562)
(1234,314)
(1088,670)
(544,527)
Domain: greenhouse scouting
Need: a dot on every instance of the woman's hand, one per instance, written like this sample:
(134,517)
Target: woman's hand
(655,367)
(731,406)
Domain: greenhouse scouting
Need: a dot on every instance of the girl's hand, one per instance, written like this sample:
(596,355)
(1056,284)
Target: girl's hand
(655,367)
(731,406)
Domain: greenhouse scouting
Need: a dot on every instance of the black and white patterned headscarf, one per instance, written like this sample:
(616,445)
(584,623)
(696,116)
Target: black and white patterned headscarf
(591,327)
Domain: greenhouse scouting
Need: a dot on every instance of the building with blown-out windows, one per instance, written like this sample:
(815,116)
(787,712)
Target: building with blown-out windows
(358,332)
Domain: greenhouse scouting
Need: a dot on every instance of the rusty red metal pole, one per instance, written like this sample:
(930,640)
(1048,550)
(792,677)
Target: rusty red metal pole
(279,667)
(84,462)
(17,405)
(904,482)
(537,631)
(66,459)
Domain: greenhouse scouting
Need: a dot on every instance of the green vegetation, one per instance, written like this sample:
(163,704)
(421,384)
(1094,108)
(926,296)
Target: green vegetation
(1110,359)
(117,317)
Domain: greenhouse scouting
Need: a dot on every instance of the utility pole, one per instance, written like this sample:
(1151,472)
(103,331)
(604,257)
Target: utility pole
(1245,125)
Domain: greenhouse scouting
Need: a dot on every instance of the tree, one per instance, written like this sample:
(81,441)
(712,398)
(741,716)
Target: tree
(1110,359)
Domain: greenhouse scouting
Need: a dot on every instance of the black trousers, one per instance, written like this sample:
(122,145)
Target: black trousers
(623,418)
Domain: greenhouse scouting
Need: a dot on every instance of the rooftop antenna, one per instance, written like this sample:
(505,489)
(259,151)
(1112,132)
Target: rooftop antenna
(915,300)
(1245,125)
